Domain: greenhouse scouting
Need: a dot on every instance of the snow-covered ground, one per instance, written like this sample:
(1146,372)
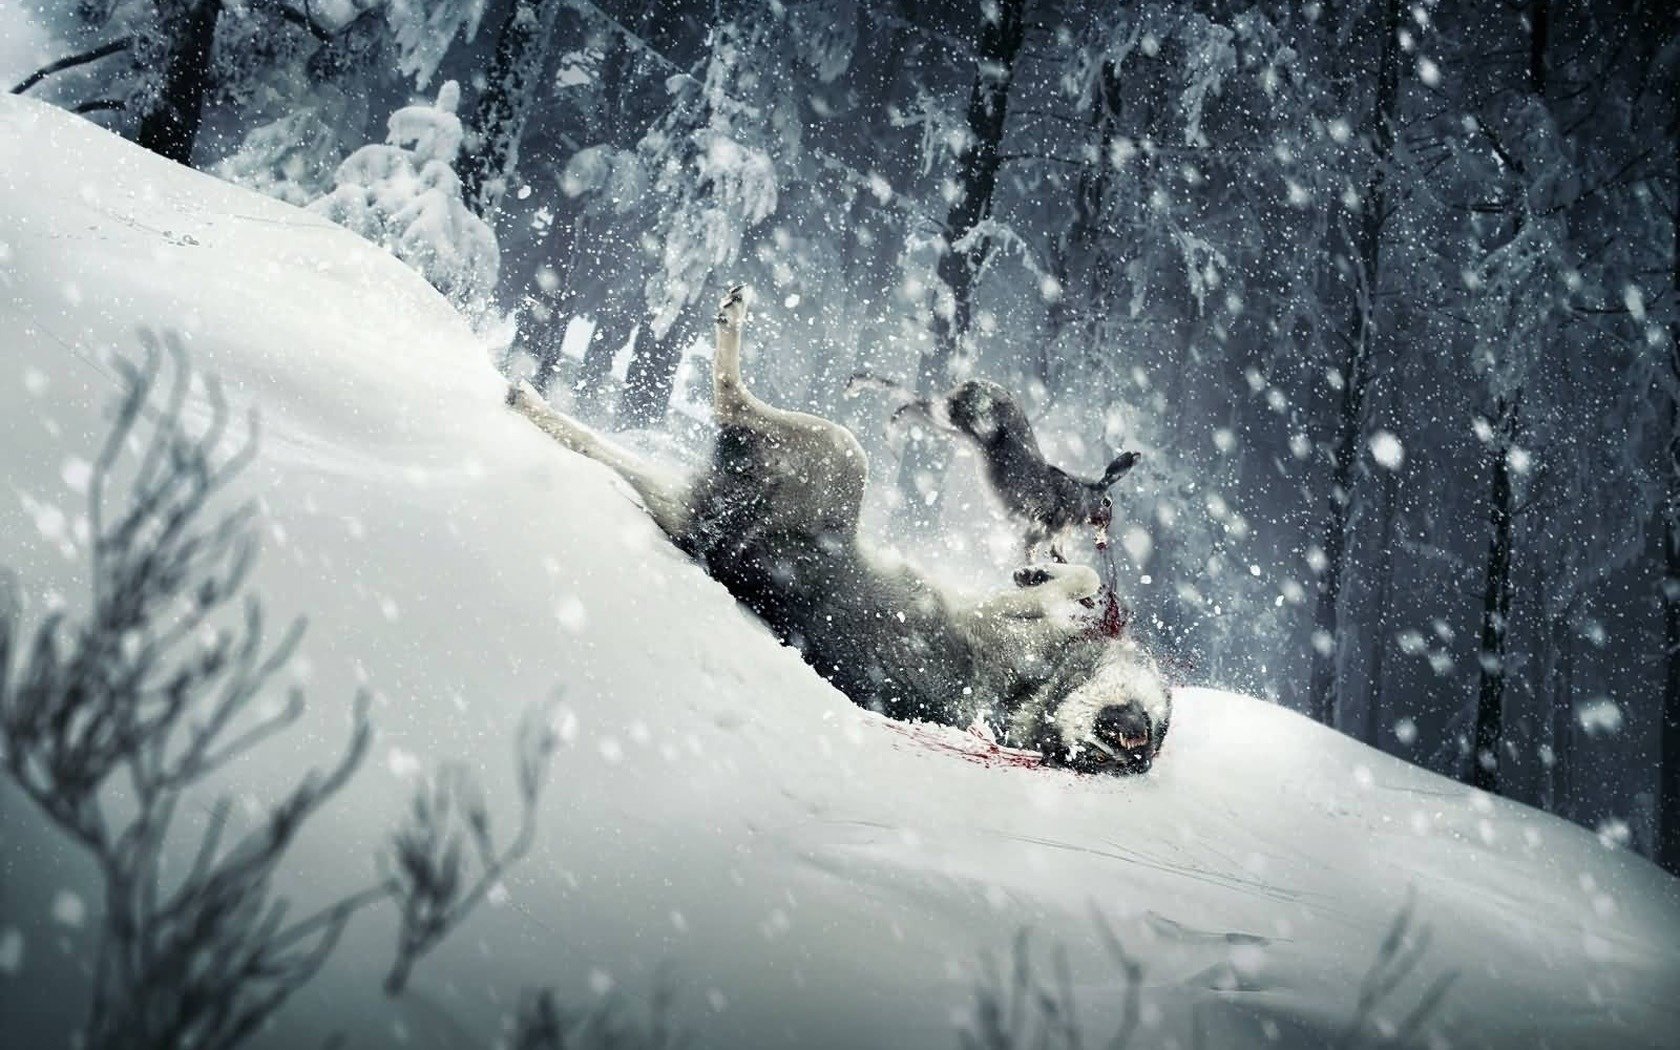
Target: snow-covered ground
(805,873)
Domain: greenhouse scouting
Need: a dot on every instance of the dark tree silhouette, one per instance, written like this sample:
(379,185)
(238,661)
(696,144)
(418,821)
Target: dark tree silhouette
(1001,32)
(170,126)
(512,85)
(1668,830)
(1325,687)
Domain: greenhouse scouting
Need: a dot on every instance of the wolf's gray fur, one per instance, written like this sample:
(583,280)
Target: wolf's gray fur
(774,518)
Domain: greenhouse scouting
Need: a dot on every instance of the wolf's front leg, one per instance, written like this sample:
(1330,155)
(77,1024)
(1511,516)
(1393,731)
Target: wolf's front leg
(665,498)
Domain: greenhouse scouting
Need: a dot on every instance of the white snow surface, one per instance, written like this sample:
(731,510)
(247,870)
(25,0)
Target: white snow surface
(805,873)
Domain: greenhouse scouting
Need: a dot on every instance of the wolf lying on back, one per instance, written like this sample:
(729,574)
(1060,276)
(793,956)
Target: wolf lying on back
(774,518)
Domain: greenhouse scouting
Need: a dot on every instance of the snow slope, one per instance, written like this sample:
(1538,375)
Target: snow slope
(806,873)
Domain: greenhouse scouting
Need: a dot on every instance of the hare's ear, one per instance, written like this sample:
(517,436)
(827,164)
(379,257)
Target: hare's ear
(1122,465)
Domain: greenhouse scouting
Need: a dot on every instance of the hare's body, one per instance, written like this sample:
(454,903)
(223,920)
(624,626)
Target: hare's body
(1045,500)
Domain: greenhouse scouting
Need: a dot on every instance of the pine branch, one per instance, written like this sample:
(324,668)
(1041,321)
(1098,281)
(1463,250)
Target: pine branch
(304,20)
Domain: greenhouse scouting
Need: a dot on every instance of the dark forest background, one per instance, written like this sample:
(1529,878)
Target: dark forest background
(1387,293)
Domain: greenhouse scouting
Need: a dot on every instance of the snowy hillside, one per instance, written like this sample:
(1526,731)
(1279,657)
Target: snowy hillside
(806,873)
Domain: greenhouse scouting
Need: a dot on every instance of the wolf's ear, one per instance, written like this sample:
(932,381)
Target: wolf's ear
(1122,465)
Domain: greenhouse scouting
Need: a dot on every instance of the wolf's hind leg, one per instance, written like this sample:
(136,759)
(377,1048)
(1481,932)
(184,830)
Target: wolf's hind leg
(735,405)
(666,498)
(732,402)
(815,466)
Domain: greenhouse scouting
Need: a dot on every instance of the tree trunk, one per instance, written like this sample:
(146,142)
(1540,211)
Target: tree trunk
(1668,819)
(653,368)
(601,265)
(1493,657)
(1496,610)
(1668,834)
(613,328)
(1324,698)
(1086,275)
(1539,34)
(497,124)
(1562,713)
(547,356)
(170,127)
(1381,624)
(1002,29)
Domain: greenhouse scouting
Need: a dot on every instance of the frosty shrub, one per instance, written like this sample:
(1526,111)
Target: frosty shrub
(542,1023)
(404,196)
(1020,1010)
(444,860)
(1402,948)
(110,720)
(1023,1009)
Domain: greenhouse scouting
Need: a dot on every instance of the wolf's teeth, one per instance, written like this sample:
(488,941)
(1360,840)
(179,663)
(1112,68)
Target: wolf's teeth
(1104,748)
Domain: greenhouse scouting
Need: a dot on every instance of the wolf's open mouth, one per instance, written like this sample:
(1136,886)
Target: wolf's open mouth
(1130,744)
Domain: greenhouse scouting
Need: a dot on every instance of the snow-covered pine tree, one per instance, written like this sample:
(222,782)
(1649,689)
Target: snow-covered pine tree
(963,241)
(161,66)
(713,168)
(403,195)
(424,30)
(295,157)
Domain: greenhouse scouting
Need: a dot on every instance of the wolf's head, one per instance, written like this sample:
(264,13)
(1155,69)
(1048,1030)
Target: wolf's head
(1115,721)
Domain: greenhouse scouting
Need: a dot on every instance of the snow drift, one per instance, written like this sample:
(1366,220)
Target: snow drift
(806,873)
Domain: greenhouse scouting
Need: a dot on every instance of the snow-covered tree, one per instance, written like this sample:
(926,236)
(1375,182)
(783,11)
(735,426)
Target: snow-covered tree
(163,66)
(403,195)
(711,163)
(425,29)
(295,157)
(966,237)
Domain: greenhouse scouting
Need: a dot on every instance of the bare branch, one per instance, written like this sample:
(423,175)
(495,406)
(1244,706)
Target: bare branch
(70,62)
(153,684)
(428,857)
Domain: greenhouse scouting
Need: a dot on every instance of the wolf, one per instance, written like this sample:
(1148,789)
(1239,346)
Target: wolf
(1047,502)
(774,518)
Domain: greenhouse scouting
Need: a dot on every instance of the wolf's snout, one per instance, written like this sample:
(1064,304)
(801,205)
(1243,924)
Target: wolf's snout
(1123,734)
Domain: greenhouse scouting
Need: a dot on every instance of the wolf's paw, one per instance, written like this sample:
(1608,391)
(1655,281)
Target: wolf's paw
(1031,576)
(1064,580)
(733,310)
(523,396)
